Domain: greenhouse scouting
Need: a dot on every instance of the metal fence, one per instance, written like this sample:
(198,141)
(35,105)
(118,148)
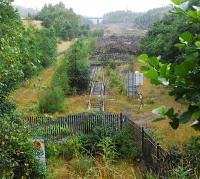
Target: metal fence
(156,159)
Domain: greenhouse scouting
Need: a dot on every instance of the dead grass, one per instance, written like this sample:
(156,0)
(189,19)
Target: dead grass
(63,45)
(154,96)
(27,95)
(76,104)
(61,169)
(57,169)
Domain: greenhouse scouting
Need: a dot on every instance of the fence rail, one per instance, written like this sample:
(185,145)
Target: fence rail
(155,158)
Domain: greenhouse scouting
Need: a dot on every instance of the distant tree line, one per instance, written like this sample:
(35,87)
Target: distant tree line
(66,23)
(142,20)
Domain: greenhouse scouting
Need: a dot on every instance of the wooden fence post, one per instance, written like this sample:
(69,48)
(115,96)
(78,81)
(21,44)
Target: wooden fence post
(121,120)
(158,158)
(142,145)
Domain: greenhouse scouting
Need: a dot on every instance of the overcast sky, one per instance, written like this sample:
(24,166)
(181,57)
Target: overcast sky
(98,7)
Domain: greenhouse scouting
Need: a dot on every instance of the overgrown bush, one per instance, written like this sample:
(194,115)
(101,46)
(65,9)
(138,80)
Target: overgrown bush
(52,101)
(125,144)
(17,156)
(107,150)
(84,166)
(72,76)
(60,78)
(22,53)
(187,158)
(191,155)
(116,80)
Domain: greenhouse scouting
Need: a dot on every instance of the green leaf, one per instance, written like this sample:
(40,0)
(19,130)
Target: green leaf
(177,2)
(156,82)
(163,70)
(170,112)
(179,12)
(175,123)
(144,68)
(179,45)
(154,62)
(183,69)
(186,37)
(160,111)
(144,57)
(196,114)
(159,119)
(186,116)
(152,74)
(193,14)
(197,43)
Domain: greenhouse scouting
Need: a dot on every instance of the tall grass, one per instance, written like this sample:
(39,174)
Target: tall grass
(116,80)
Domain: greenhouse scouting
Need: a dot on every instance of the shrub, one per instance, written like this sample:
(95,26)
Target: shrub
(52,150)
(108,150)
(60,78)
(188,158)
(71,148)
(125,145)
(122,141)
(116,80)
(52,101)
(191,155)
(83,166)
(17,157)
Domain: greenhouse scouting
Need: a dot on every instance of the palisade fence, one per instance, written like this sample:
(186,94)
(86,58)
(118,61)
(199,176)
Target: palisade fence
(160,162)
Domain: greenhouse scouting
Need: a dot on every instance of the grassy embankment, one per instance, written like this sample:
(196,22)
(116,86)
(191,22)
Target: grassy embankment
(154,96)
(28,94)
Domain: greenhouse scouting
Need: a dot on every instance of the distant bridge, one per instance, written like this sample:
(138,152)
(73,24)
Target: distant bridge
(95,20)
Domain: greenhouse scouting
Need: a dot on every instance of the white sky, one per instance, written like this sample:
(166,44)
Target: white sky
(98,7)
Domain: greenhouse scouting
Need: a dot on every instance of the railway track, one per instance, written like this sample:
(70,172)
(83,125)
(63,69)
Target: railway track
(97,90)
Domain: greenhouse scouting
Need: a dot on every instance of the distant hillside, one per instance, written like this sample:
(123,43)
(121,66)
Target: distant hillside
(151,16)
(120,17)
(141,19)
(23,11)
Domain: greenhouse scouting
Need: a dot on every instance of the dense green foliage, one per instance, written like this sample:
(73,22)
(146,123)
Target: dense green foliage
(66,23)
(142,20)
(23,53)
(116,80)
(52,101)
(189,158)
(88,155)
(163,35)
(72,76)
(183,78)
(17,156)
(106,142)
